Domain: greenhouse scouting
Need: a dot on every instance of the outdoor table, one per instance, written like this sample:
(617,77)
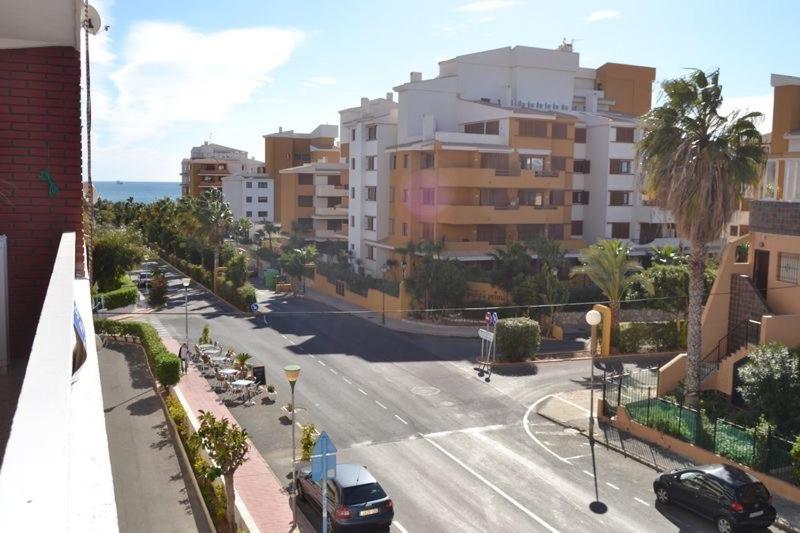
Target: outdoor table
(206,346)
(228,372)
(219,359)
(244,386)
(211,350)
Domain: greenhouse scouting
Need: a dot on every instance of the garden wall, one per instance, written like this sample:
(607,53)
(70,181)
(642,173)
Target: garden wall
(396,307)
(483,291)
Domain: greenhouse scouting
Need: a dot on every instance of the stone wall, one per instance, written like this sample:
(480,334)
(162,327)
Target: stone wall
(770,216)
(746,304)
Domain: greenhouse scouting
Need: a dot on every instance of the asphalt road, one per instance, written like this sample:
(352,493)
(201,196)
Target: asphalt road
(455,453)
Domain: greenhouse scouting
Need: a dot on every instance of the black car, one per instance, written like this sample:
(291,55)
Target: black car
(726,494)
(356,501)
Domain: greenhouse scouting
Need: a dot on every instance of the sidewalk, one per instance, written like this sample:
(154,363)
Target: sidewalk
(149,486)
(571,409)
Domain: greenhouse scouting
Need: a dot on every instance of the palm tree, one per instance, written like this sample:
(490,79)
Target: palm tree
(243,226)
(406,252)
(606,263)
(510,265)
(215,218)
(270,229)
(697,165)
(667,255)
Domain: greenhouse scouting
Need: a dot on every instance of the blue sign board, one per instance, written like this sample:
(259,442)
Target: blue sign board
(77,323)
(254,307)
(323,458)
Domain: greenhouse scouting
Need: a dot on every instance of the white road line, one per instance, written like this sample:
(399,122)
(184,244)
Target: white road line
(588,473)
(379,403)
(541,424)
(552,433)
(320,362)
(347,381)
(576,457)
(397,524)
(400,419)
(474,429)
(284,336)
(290,340)
(362,392)
(332,370)
(571,403)
(494,487)
(642,502)
(312,356)
(612,485)
(531,435)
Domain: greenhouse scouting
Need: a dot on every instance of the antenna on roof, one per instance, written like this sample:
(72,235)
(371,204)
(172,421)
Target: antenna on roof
(566,46)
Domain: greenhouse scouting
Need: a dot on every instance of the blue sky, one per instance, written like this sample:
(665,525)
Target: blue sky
(171,74)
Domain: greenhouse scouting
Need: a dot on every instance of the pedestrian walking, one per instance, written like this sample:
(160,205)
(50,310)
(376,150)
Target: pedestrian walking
(183,354)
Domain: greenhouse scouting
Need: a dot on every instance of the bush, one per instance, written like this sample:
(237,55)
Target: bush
(168,370)
(236,271)
(795,453)
(126,294)
(517,338)
(157,295)
(307,441)
(240,297)
(770,384)
(633,337)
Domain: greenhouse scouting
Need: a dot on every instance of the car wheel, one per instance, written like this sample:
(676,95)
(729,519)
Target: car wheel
(662,495)
(724,525)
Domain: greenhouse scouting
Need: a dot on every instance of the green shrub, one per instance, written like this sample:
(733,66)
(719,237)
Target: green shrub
(795,453)
(168,370)
(634,337)
(126,294)
(307,441)
(157,295)
(517,338)
(240,297)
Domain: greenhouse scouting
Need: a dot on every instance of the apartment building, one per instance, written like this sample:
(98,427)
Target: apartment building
(367,131)
(519,142)
(288,149)
(319,200)
(209,163)
(782,176)
(250,196)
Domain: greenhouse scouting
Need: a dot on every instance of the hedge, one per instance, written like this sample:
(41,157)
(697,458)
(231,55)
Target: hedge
(634,337)
(240,297)
(126,294)
(517,338)
(165,364)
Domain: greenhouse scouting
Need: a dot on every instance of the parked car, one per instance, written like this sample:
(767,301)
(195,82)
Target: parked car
(728,495)
(356,501)
(145,277)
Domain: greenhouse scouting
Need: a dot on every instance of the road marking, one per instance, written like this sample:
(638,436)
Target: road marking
(571,403)
(362,392)
(475,429)
(531,435)
(291,341)
(492,486)
(551,433)
(576,457)
(348,381)
(401,420)
(320,362)
(588,473)
(332,370)
(361,444)
(642,502)
(312,356)
(541,424)
(612,485)
(379,403)
(397,524)
(284,336)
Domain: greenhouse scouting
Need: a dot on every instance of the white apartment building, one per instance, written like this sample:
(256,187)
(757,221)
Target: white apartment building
(250,196)
(367,130)
(209,163)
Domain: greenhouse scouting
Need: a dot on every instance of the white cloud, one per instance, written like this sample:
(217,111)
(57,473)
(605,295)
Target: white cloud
(762,104)
(316,81)
(488,5)
(170,75)
(607,14)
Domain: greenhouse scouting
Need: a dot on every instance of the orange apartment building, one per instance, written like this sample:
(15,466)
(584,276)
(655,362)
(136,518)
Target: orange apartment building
(209,163)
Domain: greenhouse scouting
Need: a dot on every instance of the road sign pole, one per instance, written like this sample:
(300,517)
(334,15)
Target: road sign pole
(324,492)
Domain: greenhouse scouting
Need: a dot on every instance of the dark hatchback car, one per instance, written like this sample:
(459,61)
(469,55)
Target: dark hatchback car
(728,495)
(356,501)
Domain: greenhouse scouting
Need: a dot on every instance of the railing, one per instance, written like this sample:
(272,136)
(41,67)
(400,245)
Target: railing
(710,362)
(547,173)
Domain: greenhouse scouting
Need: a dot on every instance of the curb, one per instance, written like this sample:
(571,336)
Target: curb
(220,298)
(779,523)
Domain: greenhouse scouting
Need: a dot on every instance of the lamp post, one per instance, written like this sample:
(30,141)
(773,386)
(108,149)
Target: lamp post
(384,270)
(292,374)
(185,282)
(593,318)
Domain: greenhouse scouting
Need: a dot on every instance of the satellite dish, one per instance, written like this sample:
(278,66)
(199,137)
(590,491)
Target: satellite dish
(90,19)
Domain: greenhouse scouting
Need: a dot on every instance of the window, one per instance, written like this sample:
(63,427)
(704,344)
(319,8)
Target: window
(427,160)
(263,199)
(491,233)
(624,135)
(405,160)
(370,162)
(263,214)
(352,192)
(528,232)
(532,128)
(556,197)
(582,166)
(391,226)
(580,197)
(263,185)
(619,198)
(369,223)
(405,229)
(352,163)
(249,185)
(305,224)
(580,135)
(305,179)
(620,230)
(495,161)
(531,162)
(370,252)
(372,193)
(620,166)
(248,199)
(334,201)
(334,180)
(734,231)
(352,221)
(305,201)
(555,232)
(531,197)
(353,134)
(576,228)
(405,196)
(558,163)
(427,231)
(334,225)
(249,214)
(789,267)
(391,195)
(428,196)
(559,130)
(491,127)
(372,132)
(393,161)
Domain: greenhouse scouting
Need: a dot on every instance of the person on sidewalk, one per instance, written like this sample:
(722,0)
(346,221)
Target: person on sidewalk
(183,354)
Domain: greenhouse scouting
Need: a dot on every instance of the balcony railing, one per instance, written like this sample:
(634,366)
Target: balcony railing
(547,173)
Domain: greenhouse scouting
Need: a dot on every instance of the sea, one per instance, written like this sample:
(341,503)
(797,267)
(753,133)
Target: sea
(141,191)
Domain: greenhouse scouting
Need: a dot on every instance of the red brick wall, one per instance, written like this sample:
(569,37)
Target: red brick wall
(40,129)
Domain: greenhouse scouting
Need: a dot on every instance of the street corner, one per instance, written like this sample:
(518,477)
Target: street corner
(570,409)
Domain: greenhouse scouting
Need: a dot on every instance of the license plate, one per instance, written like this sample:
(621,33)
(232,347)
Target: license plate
(368,512)
(757,513)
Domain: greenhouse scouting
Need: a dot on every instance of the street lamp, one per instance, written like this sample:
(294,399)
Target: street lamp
(593,318)
(384,270)
(292,375)
(185,282)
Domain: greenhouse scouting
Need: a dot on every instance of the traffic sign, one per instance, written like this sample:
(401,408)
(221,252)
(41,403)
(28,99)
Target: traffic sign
(254,307)
(323,457)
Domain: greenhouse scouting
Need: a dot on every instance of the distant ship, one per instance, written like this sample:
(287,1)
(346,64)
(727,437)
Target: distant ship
(119,183)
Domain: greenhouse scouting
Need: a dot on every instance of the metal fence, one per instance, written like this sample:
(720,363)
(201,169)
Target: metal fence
(758,447)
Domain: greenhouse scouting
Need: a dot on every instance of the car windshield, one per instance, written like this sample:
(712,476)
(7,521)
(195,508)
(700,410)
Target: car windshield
(363,493)
(754,492)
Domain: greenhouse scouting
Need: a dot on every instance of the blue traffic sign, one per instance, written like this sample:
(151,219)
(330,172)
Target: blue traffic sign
(254,307)
(323,458)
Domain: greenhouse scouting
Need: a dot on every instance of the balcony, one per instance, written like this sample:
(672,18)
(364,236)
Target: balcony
(489,178)
(774,216)
(340,211)
(331,191)
(488,214)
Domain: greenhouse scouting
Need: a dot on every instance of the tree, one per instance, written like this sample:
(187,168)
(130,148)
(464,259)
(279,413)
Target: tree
(698,165)
(157,294)
(227,447)
(269,230)
(294,262)
(236,270)
(115,252)
(242,229)
(606,263)
(667,255)
(510,265)
(770,383)
(439,283)
(215,219)
(552,291)
(670,283)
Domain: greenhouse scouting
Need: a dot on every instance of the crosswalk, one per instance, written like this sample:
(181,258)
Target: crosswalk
(156,323)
